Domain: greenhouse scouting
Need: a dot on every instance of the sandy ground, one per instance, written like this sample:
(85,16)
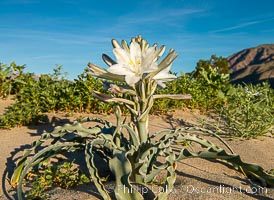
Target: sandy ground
(196,178)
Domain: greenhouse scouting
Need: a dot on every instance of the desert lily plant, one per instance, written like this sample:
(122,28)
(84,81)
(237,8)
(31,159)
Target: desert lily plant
(133,155)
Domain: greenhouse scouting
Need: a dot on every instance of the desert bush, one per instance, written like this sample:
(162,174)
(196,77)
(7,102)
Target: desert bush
(208,91)
(249,111)
(215,62)
(64,175)
(53,92)
(5,82)
(50,93)
(11,78)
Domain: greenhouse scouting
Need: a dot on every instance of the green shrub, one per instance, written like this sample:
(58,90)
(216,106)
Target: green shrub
(208,91)
(5,83)
(249,111)
(214,62)
(50,93)
(63,175)
(211,90)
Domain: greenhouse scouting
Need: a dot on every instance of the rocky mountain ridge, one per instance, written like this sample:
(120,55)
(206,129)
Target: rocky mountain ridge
(253,65)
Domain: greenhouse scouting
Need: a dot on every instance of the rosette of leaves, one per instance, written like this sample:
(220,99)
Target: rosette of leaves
(130,152)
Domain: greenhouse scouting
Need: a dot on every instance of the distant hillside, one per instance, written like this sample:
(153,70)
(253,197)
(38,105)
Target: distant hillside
(253,65)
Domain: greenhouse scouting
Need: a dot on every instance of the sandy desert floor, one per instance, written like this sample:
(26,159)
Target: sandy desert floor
(196,178)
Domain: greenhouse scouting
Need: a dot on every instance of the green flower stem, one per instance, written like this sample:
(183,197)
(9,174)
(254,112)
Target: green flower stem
(142,126)
(144,90)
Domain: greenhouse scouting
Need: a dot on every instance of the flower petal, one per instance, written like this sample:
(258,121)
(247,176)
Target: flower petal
(164,74)
(132,79)
(120,69)
(115,43)
(121,55)
(149,67)
(102,73)
(161,83)
(109,61)
(135,51)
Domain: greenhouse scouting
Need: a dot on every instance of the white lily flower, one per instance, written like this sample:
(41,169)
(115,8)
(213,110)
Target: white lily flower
(134,62)
(164,76)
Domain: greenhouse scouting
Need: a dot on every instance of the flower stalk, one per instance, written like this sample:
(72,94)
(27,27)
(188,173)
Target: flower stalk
(146,89)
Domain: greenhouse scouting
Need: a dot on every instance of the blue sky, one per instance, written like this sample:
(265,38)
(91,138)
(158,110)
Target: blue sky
(42,33)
